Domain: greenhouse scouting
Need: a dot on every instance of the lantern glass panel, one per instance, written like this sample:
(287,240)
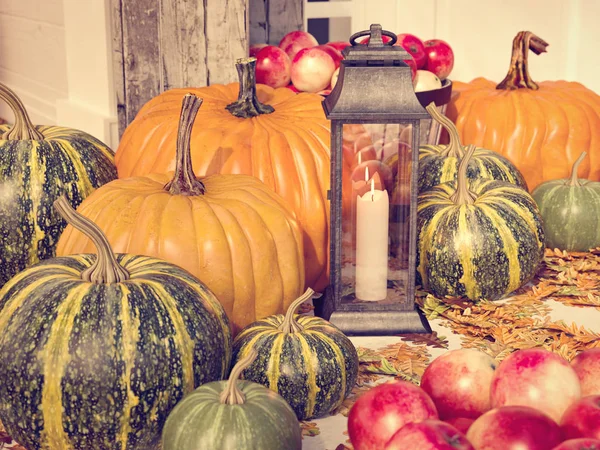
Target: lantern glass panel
(376,211)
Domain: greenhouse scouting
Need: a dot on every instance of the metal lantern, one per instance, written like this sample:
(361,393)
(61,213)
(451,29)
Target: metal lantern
(375,133)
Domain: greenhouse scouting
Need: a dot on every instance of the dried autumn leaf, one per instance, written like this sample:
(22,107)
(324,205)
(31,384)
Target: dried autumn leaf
(309,429)
(432,339)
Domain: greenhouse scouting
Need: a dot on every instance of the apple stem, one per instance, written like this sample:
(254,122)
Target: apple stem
(463,196)
(247,104)
(574,179)
(518,74)
(454,148)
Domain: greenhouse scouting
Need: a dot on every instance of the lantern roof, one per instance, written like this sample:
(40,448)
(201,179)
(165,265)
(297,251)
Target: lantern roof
(374,83)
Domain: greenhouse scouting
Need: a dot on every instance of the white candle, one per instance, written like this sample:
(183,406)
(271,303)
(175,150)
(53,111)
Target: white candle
(372,222)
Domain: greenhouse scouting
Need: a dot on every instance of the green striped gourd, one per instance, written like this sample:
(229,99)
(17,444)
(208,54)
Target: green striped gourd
(232,415)
(37,165)
(439,163)
(99,349)
(571,211)
(479,239)
(305,359)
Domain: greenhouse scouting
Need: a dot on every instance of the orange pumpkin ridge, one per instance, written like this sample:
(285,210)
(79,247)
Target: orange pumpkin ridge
(232,232)
(540,127)
(287,149)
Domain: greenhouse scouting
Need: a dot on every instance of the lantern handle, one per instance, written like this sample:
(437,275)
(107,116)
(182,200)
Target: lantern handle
(375,37)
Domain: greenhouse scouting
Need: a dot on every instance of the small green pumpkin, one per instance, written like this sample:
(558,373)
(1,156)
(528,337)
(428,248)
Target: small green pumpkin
(232,415)
(99,349)
(38,164)
(439,163)
(480,239)
(305,359)
(571,211)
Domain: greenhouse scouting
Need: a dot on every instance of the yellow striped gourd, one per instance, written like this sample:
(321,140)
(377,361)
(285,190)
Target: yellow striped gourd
(99,349)
(479,239)
(37,165)
(305,359)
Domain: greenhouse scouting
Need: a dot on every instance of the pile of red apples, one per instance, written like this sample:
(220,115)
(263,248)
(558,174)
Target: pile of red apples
(302,65)
(533,400)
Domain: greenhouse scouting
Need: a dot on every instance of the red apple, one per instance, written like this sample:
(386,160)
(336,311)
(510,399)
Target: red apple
(458,382)
(312,69)
(440,58)
(334,53)
(339,45)
(273,67)
(538,378)
(587,368)
(415,47)
(295,41)
(514,428)
(428,435)
(413,68)
(383,410)
(254,49)
(462,424)
(582,418)
(579,444)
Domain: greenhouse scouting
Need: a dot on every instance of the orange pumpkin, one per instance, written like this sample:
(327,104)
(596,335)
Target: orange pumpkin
(231,231)
(540,127)
(278,136)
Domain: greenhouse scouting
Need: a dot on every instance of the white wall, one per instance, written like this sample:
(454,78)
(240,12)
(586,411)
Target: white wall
(481,32)
(56,55)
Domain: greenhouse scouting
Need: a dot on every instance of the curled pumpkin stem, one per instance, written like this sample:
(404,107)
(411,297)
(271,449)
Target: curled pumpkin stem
(574,179)
(247,104)
(290,324)
(184,180)
(463,196)
(454,148)
(23,129)
(518,74)
(106,269)
(232,394)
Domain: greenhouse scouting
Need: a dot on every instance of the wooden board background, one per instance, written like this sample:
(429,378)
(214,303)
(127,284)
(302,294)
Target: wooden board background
(163,44)
(270,20)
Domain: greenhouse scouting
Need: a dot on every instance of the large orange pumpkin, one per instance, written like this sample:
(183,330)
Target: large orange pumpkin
(231,231)
(541,128)
(280,137)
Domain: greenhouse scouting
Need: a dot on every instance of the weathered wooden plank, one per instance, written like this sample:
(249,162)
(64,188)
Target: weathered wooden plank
(258,21)
(182,44)
(141,53)
(284,16)
(227,38)
(117,58)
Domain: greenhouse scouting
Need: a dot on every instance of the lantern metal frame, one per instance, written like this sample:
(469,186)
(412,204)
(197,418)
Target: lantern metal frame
(362,96)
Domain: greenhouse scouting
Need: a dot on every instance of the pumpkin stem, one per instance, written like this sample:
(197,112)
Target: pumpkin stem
(518,74)
(232,394)
(106,269)
(23,129)
(290,324)
(247,104)
(454,148)
(184,180)
(574,180)
(463,196)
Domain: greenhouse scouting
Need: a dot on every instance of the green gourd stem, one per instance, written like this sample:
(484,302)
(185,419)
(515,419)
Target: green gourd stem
(232,395)
(574,180)
(290,324)
(518,74)
(463,196)
(184,180)
(106,269)
(247,104)
(454,148)
(23,129)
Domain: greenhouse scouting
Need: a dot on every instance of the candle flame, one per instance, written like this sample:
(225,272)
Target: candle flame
(366,173)
(372,190)
(359,157)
